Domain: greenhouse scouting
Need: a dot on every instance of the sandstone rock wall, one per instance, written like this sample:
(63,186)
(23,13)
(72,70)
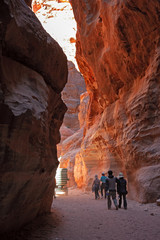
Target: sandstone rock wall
(71,96)
(73,124)
(33,72)
(71,145)
(74,121)
(118,53)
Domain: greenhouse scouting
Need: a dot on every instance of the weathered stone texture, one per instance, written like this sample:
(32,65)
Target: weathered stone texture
(33,72)
(71,96)
(71,134)
(118,53)
(71,145)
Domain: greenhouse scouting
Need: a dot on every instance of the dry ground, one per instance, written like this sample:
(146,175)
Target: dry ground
(79,216)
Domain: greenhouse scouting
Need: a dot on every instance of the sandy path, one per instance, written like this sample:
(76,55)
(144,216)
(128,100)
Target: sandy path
(79,217)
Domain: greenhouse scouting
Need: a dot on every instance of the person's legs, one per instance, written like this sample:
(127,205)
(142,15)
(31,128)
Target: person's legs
(102,190)
(124,201)
(114,199)
(109,201)
(120,200)
(96,193)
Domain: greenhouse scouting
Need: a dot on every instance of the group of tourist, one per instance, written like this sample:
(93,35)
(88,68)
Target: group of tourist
(109,186)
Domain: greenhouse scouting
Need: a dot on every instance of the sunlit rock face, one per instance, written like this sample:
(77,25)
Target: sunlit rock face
(118,53)
(38,4)
(60,1)
(33,71)
(71,146)
(74,120)
(71,134)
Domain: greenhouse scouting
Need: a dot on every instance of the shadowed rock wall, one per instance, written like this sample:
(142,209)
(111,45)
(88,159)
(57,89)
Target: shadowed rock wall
(71,96)
(33,72)
(118,54)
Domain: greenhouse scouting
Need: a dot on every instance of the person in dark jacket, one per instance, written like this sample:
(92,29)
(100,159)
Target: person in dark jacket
(111,187)
(122,190)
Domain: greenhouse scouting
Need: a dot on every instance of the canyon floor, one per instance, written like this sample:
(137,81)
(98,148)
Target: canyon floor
(79,216)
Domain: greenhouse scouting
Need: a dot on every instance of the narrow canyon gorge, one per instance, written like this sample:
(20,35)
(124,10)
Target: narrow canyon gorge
(89,113)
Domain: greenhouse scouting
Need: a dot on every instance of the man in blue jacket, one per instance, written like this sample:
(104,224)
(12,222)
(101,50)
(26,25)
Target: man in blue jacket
(103,185)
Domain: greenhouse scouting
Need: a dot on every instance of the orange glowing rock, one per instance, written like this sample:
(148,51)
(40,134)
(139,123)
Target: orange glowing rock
(118,54)
(62,1)
(72,40)
(36,5)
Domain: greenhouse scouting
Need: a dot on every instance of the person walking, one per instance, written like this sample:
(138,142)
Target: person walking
(95,186)
(103,185)
(111,187)
(122,190)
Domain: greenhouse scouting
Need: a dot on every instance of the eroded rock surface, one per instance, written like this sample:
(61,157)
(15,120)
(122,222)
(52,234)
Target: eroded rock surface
(74,121)
(33,72)
(71,145)
(72,129)
(71,96)
(118,53)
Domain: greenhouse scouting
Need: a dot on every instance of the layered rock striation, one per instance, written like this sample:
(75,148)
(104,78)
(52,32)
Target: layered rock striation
(74,121)
(33,72)
(70,145)
(118,53)
(71,96)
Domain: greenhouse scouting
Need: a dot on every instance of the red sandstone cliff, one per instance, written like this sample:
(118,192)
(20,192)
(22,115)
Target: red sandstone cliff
(71,145)
(72,129)
(33,72)
(118,53)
